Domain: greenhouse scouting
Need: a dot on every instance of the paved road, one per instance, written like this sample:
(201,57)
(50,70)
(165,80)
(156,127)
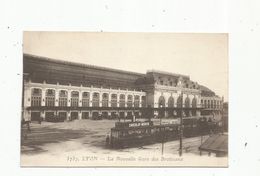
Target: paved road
(51,144)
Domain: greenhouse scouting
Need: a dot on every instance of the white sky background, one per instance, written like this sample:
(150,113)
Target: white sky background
(240,18)
(204,57)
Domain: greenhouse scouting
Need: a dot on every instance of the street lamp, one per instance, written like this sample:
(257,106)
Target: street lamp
(181,125)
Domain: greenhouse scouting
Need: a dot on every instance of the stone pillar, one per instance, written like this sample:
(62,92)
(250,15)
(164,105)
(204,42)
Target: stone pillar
(197,113)
(69,98)
(56,103)
(80,115)
(27,96)
(109,99)
(117,99)
(43,97)
(166,114)
(100,99)
(90,99)
(90,113)
(126,95)
(80,98)
(43,115)
(68,116)
(190,114)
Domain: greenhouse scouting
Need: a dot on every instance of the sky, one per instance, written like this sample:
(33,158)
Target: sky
(202,56)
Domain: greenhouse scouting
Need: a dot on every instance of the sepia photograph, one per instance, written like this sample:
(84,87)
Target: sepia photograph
(124,99)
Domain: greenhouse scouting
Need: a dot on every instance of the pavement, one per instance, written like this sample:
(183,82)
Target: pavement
(81,143)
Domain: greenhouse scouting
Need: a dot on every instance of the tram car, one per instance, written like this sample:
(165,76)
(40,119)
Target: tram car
(129,134)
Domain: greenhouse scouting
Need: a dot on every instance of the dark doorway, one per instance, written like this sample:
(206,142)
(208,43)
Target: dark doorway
(95,115)
(63,115)
(105,115)
(122,115)
(85,115)
(74,115)
(35,116)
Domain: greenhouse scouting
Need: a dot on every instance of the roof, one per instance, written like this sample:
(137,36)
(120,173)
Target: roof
(206,91)
(43,58)
(167,73)
(216,143)
(41,69)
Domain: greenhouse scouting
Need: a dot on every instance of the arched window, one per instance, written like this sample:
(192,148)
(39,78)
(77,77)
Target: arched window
(170,102)
(36,97)
(122,100)
(105,100)
(129,101)
(114,100)
(194,106)
(74,98)
(170,105)
(85,99)
(50,97)
(179,105)
(161,101)
(63,98)
(187,102)
(136,101)
(143,101)
(161,105)
(187,105)
(179,102)
(95,100)
(194,102)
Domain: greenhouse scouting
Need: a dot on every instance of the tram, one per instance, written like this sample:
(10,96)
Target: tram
(128,134)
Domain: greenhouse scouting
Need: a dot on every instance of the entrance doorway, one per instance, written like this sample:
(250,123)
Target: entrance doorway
(137,115)
(62,116)
(95,115)
(49,116)
(129,115)
(113,115)
(74,115)
(85,115)
(105,115)
(122,115)
(35,116)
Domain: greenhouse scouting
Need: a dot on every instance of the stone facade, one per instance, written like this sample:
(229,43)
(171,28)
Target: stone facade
(77,91)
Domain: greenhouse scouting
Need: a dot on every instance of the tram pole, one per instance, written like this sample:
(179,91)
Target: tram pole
(162,135)
(181,125)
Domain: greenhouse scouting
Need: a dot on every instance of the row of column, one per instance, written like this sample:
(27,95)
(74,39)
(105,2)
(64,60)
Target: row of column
(90,113)
(79,98)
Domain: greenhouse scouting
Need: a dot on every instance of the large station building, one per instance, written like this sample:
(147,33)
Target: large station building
(54,88)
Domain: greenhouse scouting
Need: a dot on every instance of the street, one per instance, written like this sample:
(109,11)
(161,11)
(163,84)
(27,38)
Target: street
(82,143)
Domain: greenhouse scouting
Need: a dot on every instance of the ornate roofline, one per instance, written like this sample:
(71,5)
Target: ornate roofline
(167,73)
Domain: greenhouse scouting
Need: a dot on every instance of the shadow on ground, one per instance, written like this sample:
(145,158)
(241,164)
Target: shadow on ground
(32,142)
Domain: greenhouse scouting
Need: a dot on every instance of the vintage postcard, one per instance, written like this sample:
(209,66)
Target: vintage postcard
(100,99)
